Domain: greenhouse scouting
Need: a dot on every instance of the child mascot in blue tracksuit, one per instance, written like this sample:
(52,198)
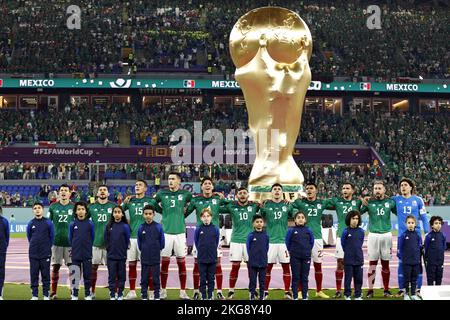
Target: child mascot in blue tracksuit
(207,237)
(352,240)
(150,240)
(299,242)
(409,248)
(4,242)
(81,238)
(40,234)
(435,245)
(117,242)
(257,248)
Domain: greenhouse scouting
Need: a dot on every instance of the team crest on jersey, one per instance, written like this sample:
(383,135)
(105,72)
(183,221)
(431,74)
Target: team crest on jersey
(249,208)
(319,206)
(214,201)
(386,205)
(353,203)
(109,210)
(70,211)
(414,203)
(180,197)
(284,209)
(407,238)
(145,203)
(143,232)
(201,202)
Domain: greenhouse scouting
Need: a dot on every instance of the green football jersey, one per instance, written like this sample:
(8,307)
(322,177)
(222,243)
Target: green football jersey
(61,216)
(380,215)
(343,207)
(313,211)
(173,204)
(277,216)
(100,215)
(135,209)
(199,203)
(241,218)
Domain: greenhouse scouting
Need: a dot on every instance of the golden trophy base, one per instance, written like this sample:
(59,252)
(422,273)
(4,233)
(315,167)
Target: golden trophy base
(262,193)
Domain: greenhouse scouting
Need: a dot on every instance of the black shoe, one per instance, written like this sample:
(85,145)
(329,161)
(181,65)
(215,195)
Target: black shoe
(400,294)
(266,295)
(388,294)
(196,296)
(338,295)
(230,295)
(369,294)
(287,295)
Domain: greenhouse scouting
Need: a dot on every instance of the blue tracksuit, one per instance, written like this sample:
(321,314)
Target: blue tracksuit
(435,245)
(415,206)
(151,241)
(117,242)
(206,240)
(352,240)
(81,238)
(299,242)
(4,242)
(40,234)
(410,243)
(257,248)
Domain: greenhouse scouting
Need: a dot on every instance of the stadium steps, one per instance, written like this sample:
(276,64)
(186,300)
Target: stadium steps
(124,135)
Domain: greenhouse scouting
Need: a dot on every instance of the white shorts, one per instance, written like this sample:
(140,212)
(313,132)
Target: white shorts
(98,255)
(238,252)
(61,253)
(133,254)
(175,242)
(379,246)
(278,253)
(339,251)
(317,251)
(219,251)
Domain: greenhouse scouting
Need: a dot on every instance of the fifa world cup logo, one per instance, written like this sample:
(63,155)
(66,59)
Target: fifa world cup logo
(271,47)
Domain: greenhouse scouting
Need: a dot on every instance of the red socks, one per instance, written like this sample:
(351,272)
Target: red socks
(234,273)
(165,261)
(94,277)
(55,277)
(371,274)
(268,272)
(318,275)
(132,274)
(385,273)
(196,275)
(339,275)
(286,276)
(219,276)
(182,272)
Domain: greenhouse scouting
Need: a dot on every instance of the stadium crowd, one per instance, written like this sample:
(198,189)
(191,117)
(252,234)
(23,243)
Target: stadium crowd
(193,35)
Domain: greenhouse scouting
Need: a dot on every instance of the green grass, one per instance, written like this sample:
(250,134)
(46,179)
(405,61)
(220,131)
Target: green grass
(23,292)
(18,235)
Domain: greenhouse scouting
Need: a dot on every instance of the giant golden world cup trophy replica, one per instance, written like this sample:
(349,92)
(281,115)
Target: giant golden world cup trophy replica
(271,47)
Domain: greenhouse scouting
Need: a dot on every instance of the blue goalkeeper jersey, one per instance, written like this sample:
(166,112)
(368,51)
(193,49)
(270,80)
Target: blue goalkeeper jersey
(414,206)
